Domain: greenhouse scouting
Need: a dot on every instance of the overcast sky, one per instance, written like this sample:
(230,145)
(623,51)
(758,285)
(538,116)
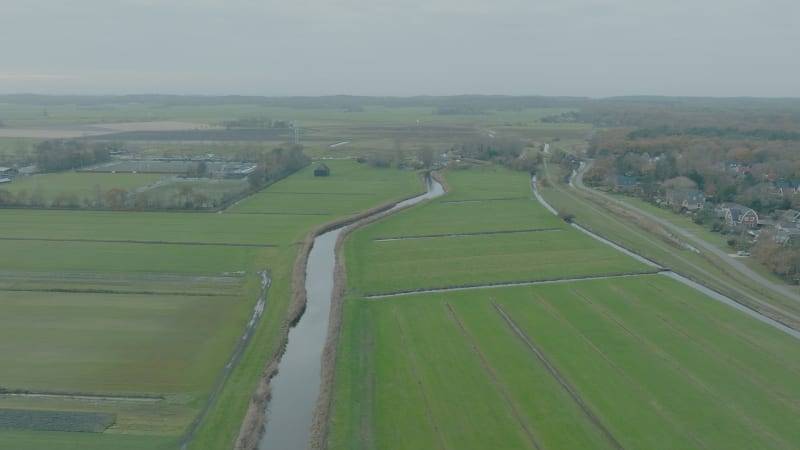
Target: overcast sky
(594,48)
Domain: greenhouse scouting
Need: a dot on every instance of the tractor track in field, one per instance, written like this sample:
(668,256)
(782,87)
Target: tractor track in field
(707,349)
(418,378)
(691,378)
(487,367)
(632,382)
(729,328)
(477,233)
(558,377)
(144,242)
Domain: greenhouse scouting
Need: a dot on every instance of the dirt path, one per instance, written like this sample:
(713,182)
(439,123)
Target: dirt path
(558,377)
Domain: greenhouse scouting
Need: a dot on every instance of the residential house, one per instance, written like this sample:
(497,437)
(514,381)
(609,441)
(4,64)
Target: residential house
(626,182)
(689,199)
(739,215)
(785,188)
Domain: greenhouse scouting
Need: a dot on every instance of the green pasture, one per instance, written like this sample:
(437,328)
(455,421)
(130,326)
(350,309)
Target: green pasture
(379,267)
(32,440)
(124,303)
(190,227)
(658,364)
(85,187)
(350,188)
(109,343)
(494,234)
(121,257)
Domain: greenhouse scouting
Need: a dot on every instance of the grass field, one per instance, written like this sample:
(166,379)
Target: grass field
(633,362)
(127,304)
(486,231)
(344,192)
(642,362)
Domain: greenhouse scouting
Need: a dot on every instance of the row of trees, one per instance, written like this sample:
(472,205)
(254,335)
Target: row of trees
(182,197)
(277,164)
(60,154)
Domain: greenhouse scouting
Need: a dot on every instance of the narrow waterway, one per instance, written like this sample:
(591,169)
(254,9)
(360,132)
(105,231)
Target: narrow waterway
(296,386)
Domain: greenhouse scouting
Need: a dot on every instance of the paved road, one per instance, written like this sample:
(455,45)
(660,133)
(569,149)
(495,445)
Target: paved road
(696,241)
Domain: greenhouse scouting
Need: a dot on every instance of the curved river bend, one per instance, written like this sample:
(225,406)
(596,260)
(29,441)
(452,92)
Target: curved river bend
(295,388)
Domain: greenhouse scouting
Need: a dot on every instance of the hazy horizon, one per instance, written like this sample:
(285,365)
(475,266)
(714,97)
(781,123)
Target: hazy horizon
(581,48)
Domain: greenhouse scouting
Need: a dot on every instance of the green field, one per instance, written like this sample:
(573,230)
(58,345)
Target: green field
(626,362)
(655,364)
(131,304)
(344,192)
(498,235)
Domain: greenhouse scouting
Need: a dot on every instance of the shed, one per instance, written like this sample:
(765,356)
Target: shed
(322,171)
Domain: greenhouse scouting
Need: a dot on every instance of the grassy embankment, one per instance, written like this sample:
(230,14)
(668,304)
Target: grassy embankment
(640,362)
(131,304)
(634,232)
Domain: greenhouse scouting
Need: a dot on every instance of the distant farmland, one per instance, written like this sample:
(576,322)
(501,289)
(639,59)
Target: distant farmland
(132,315)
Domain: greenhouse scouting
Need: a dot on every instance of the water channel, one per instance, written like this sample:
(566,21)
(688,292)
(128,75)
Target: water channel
(296,386)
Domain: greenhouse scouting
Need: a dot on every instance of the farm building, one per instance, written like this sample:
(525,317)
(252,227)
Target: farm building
(322,171)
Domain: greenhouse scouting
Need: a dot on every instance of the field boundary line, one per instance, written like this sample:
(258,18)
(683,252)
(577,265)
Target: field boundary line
(558,377)
(588,342)
(507,284)
(418,378)
(143,242)
(690,377)
(707,349)
(731,329)
(117,292)
(482,200)
(475,233)
(493,377)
